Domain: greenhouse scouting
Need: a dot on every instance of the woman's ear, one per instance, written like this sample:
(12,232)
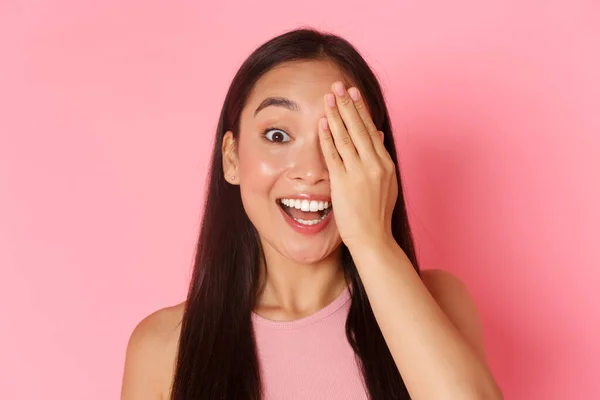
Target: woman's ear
(230,159)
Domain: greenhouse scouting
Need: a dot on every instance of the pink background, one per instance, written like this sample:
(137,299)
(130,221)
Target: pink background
(107,112)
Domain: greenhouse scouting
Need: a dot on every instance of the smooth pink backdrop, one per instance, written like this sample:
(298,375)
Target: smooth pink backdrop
(107,113)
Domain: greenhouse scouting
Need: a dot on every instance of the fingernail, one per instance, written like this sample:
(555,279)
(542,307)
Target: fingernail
(354,93)
(339,88)
(324,124)
(330,100)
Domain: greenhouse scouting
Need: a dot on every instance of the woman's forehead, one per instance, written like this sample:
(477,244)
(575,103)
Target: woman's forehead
(300,81)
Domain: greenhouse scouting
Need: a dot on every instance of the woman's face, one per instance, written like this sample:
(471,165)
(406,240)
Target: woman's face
(279,165)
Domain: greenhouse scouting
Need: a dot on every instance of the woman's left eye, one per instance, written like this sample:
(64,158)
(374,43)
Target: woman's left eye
(276,135)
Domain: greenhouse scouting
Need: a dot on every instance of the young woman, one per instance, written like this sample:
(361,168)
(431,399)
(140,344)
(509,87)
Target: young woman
(306,284)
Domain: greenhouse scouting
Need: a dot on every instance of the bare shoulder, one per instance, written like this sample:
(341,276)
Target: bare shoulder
(151,355)
(443,284)
(454,298)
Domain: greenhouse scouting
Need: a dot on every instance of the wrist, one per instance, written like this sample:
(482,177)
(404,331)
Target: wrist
(371,245)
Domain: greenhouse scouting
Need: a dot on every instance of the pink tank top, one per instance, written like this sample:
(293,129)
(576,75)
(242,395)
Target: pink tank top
(309,358)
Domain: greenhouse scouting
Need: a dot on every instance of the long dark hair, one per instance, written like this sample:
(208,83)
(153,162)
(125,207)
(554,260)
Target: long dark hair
(217,352)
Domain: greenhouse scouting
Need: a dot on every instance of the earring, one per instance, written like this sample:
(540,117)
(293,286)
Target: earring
(233,177)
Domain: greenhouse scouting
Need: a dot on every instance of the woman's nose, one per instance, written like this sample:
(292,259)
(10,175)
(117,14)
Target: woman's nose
(308,164)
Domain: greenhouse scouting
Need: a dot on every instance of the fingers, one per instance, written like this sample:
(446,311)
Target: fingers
(361,109)
(348,127)
(348,105)
(375,136)
(341,137)
(380,147)
(330,152)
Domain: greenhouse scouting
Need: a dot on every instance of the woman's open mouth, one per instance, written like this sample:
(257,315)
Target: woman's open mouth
(306,213)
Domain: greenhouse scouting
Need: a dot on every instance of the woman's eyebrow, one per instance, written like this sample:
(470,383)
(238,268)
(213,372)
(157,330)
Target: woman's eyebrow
(278,102)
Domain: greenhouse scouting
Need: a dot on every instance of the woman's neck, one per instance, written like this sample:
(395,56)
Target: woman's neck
(292,290)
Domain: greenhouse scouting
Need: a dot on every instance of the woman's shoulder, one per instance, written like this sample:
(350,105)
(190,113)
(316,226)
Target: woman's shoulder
(440,280)
(162,327)
(151,354)
(448,290)
(161,323)
(456,301)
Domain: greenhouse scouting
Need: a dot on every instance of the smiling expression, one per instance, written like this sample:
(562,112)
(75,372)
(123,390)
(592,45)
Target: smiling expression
(278,162)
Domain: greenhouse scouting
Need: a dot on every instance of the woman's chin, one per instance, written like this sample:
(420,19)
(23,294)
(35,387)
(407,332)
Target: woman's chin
(305,258)
(308,255)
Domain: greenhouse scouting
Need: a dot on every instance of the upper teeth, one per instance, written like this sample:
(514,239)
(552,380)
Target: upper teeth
(306,205)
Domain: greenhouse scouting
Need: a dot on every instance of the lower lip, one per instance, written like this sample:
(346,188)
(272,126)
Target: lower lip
(306,229)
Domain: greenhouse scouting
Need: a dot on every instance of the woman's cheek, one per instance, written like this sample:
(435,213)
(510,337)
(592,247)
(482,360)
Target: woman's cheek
(267,164)
(270,168)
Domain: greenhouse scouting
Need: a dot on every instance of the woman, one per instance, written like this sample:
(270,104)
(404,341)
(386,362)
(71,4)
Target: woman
(306,284)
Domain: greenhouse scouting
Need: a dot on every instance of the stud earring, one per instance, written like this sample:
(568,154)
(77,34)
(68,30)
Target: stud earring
(233,177)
